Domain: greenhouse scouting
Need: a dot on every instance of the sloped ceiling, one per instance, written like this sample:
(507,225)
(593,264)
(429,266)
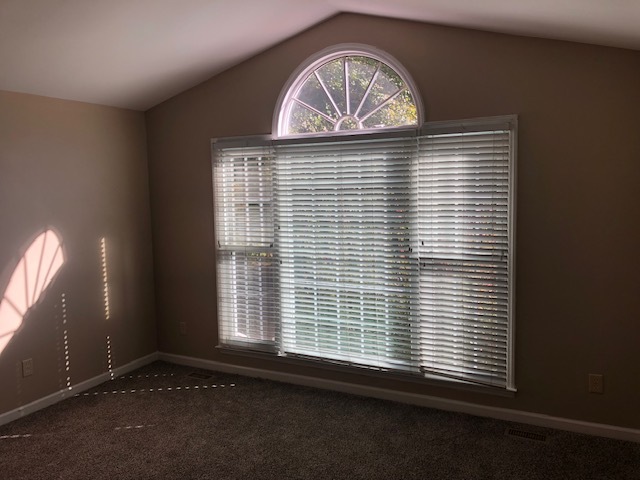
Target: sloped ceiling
(137,53)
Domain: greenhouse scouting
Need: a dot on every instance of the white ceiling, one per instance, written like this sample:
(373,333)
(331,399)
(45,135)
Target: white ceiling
(137,53)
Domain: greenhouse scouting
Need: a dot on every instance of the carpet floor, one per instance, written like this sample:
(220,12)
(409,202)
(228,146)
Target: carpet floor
(172,422)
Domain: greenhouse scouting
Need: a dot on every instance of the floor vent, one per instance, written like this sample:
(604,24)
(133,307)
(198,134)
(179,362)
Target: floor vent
(200,376)
(536,437)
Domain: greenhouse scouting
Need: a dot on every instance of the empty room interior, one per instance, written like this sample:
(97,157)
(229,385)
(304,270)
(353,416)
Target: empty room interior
(449,218)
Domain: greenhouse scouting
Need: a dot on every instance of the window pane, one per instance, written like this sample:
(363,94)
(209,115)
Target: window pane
(399,111)
(348,276)
(303,120)
(382,89)
(247,269)
(361,70)
(463,205)
(332,75)
(315,96)
(248,296)
(243,186)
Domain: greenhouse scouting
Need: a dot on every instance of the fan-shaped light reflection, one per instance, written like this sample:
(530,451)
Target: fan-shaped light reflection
(33,274)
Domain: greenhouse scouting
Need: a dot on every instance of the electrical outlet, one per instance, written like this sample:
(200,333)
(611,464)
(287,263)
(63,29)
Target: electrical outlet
(596,383)
(27,367)
(183,328)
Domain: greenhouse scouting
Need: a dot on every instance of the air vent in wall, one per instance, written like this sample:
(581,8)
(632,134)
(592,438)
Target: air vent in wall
(537,437)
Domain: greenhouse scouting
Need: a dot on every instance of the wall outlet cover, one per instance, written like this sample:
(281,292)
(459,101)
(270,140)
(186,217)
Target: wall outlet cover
(27,367)
(596,383)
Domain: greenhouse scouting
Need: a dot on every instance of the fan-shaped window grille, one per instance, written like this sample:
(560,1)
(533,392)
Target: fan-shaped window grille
(347,90)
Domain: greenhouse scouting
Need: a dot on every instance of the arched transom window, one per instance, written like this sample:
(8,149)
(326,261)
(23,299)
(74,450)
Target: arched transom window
(346,90)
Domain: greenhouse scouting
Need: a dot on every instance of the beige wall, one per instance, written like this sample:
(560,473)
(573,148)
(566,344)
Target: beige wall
(578,230)
(82,170)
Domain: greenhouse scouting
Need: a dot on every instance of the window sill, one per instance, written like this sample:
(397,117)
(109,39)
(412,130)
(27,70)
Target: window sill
(430,380)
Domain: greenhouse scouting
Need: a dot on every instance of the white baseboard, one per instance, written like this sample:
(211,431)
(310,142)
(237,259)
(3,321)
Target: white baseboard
(577,426)
(60,395)
(589,428)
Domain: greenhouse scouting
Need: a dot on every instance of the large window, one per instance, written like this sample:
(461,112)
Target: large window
(390,250)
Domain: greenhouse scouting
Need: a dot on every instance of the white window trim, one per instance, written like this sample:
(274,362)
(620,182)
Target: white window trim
(508,122)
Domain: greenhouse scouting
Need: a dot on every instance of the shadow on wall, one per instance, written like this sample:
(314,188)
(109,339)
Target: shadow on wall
(35,271)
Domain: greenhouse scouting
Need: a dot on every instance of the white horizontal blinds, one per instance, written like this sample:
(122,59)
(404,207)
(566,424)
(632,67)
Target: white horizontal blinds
(247,267)
(463,206)
(348,276)
(244,197)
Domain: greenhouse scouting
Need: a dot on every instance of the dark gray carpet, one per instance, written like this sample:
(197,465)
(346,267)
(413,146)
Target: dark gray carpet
(163,427)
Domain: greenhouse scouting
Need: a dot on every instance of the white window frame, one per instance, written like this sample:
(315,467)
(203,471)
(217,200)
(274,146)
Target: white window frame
(508,123)
(279,137)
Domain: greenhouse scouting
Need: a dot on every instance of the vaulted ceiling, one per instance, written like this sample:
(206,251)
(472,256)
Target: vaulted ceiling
(137,53)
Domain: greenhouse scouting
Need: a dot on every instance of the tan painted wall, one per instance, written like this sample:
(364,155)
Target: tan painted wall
(578,230)
(81,169)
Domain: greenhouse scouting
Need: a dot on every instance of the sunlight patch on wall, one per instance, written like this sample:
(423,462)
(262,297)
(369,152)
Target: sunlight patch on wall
(105,278)
(109,359)
(185,388)
(67,360)
(33,274)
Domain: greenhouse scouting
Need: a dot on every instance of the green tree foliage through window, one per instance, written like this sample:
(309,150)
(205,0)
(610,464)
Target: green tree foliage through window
(351,92)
